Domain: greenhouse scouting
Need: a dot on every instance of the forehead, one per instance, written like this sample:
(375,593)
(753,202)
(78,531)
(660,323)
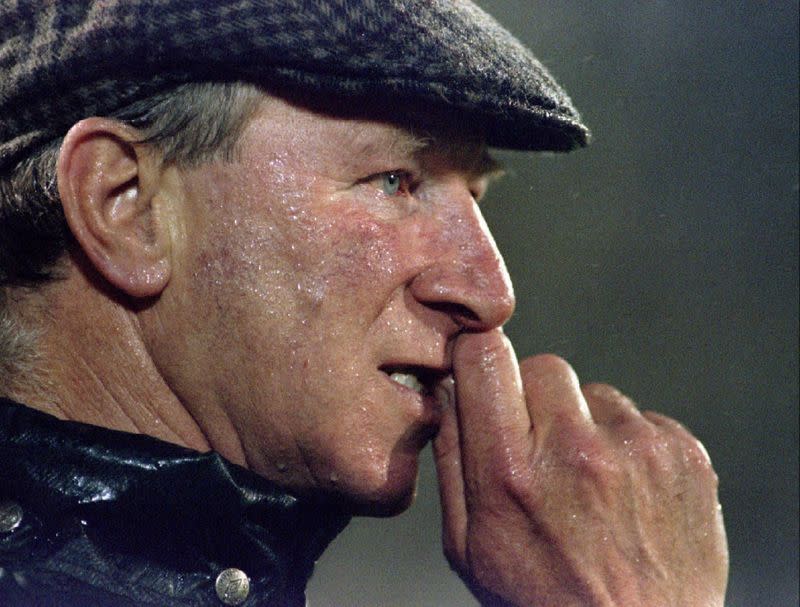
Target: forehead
(385,135)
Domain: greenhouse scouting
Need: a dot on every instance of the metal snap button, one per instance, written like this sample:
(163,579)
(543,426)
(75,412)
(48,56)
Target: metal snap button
(10,516)
(233,586)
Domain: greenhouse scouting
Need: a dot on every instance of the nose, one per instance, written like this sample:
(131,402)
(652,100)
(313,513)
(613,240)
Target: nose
(468,281)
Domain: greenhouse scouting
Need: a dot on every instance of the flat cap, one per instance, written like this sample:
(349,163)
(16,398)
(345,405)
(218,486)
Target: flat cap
(63,60)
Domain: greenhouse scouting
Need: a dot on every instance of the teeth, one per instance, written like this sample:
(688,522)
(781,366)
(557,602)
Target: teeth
(408,380)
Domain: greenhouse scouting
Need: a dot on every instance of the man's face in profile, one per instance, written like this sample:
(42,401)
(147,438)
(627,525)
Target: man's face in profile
(327,270)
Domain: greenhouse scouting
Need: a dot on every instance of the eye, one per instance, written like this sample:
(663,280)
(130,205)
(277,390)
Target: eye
(390,183)
(393,183)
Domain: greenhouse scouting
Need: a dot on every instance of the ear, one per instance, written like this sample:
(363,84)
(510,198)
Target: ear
(109,188)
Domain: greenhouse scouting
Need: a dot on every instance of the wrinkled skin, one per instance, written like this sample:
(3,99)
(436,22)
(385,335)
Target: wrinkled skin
(306,280)
(557,495)
(309,279)
(282,290)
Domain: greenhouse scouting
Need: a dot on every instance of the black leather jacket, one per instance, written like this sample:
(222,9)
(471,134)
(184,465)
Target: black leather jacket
(95,517)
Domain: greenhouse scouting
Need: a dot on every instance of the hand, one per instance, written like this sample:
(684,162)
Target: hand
(557,495)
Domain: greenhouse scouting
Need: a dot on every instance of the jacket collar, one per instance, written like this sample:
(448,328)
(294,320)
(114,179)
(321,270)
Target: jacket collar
(194,514)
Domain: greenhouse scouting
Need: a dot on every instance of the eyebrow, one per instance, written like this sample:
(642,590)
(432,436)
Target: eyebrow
(404,143)
(397,144)
(408,144)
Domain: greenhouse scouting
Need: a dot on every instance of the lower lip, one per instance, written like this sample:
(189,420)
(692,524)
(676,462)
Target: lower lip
(431,410)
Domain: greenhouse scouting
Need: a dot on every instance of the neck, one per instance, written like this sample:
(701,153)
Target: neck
(94,367)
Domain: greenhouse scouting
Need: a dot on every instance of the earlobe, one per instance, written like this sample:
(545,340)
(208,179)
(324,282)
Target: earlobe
(108,188)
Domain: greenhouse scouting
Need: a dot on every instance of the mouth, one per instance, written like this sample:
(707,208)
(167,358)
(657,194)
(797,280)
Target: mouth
(420,379)
(428,388)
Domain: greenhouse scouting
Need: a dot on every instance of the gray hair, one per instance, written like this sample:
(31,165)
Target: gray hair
(190,124)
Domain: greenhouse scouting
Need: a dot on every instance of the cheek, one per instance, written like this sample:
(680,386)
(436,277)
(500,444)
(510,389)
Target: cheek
(363,247)
(348,256)
(247,241)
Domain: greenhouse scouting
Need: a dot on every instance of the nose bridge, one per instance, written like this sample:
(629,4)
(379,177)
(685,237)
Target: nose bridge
(469,277)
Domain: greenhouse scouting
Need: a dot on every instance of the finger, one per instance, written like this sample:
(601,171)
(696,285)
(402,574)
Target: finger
(553,394)
(662,420)
(492,417)
(691,445)
(447,456)
(609,406)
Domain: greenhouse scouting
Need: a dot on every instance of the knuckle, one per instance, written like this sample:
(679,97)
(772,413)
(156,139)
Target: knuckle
(599,468)
(545,364)
(693,452)
(651,442)
(512,474)
(662,421)
(600,390)
(696,457)
(626,418)
(546,359)
(591,458)
(517,483)
(641,434)
(658,460)
(674,451)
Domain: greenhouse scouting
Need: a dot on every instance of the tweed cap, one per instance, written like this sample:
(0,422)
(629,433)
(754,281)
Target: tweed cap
(63,60)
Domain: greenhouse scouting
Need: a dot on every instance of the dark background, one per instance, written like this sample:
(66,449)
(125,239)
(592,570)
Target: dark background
(662,259)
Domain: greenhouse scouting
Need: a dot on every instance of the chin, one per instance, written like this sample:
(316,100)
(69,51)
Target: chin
(383,505)
(387,492)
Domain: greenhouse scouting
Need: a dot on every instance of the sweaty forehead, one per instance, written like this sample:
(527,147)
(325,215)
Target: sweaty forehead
(393,138)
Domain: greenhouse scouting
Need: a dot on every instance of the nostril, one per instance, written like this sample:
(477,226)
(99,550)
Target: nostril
(461,314)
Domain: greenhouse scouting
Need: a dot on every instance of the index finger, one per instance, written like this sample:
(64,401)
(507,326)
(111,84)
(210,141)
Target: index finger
(553,394)
(492,417)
